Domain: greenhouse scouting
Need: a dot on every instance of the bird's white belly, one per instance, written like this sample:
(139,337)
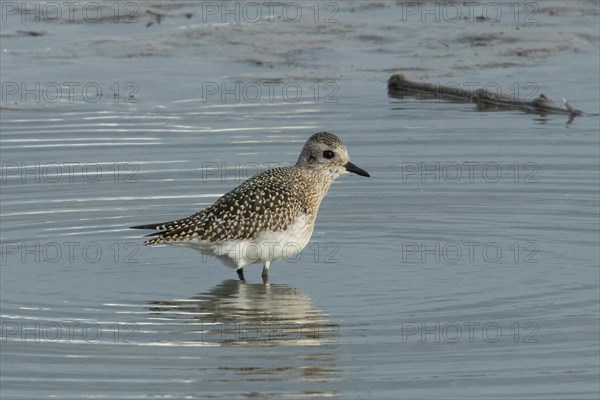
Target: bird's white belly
(267,246)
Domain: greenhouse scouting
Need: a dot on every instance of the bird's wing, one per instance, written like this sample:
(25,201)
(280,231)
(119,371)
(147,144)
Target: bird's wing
(264,202)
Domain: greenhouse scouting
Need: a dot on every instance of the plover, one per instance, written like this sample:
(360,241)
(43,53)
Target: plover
(269,216)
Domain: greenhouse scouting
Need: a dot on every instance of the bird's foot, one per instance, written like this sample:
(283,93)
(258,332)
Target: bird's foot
(265,271)
(240,273)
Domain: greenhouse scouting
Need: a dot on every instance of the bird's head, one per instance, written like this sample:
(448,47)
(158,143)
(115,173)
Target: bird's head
(325,152)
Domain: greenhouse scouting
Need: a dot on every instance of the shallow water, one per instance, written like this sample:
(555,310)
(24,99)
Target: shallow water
(465,267)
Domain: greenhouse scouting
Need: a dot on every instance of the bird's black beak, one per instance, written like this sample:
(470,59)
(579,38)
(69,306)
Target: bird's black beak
(353,168)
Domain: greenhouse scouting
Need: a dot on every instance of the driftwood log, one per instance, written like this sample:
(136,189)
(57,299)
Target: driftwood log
(400,87)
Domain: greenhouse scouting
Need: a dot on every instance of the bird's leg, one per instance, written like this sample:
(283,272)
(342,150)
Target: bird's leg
(240,272)
(265,271)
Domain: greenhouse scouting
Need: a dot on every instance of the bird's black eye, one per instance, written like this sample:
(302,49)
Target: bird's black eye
(328,154)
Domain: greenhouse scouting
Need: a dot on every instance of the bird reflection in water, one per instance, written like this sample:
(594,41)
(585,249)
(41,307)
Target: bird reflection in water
(240,313)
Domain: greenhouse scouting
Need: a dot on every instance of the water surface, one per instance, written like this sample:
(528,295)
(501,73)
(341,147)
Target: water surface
(465,267)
